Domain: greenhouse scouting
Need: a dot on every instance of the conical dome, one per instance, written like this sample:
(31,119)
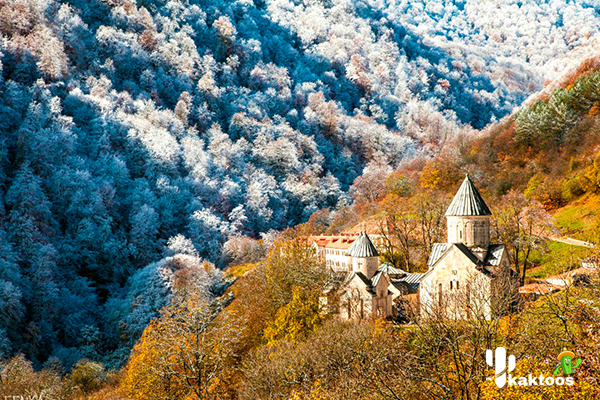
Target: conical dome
(468,201)
(362,247)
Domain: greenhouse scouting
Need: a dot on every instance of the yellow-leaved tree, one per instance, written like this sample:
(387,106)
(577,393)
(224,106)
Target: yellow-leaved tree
(299,317)
(182,354)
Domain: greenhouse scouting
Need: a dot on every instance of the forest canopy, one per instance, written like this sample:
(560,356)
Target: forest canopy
(137,138)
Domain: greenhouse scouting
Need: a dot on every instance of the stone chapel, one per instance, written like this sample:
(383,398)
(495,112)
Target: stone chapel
(467,276)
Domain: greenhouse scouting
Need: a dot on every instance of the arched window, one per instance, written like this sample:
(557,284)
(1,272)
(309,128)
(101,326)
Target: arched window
(362,309)
(469,232)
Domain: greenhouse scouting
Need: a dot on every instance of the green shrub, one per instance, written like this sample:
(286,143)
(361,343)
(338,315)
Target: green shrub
(87,376)
(572,189)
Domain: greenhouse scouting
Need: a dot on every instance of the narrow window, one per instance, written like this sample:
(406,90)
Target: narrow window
(456,285)
(451,285)
(468,301)
(440,294)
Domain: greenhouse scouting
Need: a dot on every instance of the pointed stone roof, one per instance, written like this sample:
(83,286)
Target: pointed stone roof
(468,201)
(362,247)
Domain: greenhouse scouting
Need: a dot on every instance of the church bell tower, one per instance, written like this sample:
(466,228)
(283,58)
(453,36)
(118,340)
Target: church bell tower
(468,217)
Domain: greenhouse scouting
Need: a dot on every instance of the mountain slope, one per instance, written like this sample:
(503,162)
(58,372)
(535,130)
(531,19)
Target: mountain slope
(129,129)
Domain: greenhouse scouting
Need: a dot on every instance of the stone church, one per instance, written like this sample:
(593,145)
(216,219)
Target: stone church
(468,275)
(361,288)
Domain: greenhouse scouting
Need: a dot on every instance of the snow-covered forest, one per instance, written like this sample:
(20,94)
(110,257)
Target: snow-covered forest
(137,137)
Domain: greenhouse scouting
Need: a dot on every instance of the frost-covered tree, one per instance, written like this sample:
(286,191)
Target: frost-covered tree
(134,131)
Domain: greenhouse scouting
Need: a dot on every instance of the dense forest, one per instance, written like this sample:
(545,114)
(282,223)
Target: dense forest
(142,143)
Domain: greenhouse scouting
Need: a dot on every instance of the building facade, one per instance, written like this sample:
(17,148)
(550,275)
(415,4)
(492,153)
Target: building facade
(467,275)
(360,289)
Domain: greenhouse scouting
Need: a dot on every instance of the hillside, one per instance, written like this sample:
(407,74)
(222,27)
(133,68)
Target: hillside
(537,168)
(138,138)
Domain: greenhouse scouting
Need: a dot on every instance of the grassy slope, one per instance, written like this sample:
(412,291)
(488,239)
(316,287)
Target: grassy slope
(578,219)
(556,258)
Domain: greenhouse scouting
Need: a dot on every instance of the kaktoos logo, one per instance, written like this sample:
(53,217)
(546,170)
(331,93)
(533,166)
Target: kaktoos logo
(503,365)
(566,362)
(500,364)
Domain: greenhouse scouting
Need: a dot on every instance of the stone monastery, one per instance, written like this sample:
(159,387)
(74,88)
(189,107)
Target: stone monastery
(464,275)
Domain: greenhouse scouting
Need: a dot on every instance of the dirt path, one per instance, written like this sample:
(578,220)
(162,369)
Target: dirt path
(571,241)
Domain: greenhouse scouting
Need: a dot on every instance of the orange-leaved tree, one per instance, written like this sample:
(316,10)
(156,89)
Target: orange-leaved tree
(183,354)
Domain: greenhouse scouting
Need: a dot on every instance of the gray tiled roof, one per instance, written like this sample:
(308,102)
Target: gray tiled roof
(413,278)
(437,251)
(362,247)
(373,281)
(494,254)
(366,281)
(465,250)
(409,283)
(349,249)
(492,257)
(390,269)
(338,279)
(468,201)
(376,277)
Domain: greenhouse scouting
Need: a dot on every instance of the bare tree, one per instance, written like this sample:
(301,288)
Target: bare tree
(523,225)
(454,332)
(388,245)
(340,361)
(398,229)
(242,249)
(198,345)
(370,186)
(429,211)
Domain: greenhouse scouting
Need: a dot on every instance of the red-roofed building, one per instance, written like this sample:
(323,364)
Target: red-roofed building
(361,289)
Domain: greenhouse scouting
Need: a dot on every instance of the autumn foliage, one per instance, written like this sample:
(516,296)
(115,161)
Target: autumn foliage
(182,355)
(301,316)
